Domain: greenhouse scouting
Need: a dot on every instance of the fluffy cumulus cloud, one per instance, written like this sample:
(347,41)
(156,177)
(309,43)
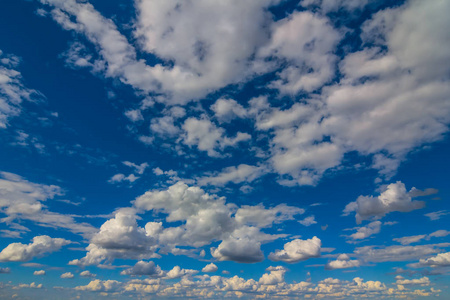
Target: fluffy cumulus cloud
(366,231)
(202,219)
(39,273)
(67,275)
(343,261)
(298,250)
(40,246)
(394,198)
(143,268)
(440,260)
(210,268)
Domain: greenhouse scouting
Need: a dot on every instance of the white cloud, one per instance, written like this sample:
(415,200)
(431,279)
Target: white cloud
(366,231)
(208,137)
(298,250)
(241,249)
(134,115)
(39,273)
(40,246)
(12,89)
(143,268)
(226,110)
(67,275)
(420,281)
(87,274)
(307,42)
(440,260)
(209,268)
(238,174)
(121,178)
(119,237)
(436,215)
(101,286)
(406,240)
(308,221)
(394,198)
(343,261)
(396,253)
(178,272)
(275,276)
(139,169)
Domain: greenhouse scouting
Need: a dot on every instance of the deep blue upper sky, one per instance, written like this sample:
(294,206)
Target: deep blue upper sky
(175,149)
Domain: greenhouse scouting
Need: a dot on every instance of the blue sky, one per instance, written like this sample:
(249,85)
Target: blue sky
(224,149)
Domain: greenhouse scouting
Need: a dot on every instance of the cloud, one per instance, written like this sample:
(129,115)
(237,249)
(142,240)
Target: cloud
(410,239)
(226,110)
(87,274)
(178,272)
(238,174)
(139,169)
(394,198)
(396,253)
(440,260)
(420,281)
(208,137)
(244,250)
(5,270)
(12,89)
(343,261)
(298,250)
(437,215)
(119,237)
(67,275)
(308,221)
(366,231)
(40,246)
(121,178)
(143,268)
(275,276)
(209,268)
(24,200)
(97,285)
(39,273)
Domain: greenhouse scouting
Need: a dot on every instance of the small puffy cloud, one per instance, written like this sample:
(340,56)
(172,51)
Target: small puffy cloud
(39,273)
(298,250)
(275,276)
(439,233)
(143,268)
(343,261)
(420,281)
(262,217)
(32,285)
(40,246)
(178,272)
(134,115)
(437,215)
(210,268)
(208,137)
(121,178)
(366,231)
(394,198)
(395,253)
(226,110)
(5,270)
(101,286)
(308,221)
(87,274)
(67,275)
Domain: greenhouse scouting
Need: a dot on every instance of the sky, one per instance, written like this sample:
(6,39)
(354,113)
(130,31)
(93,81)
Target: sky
(224,149)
